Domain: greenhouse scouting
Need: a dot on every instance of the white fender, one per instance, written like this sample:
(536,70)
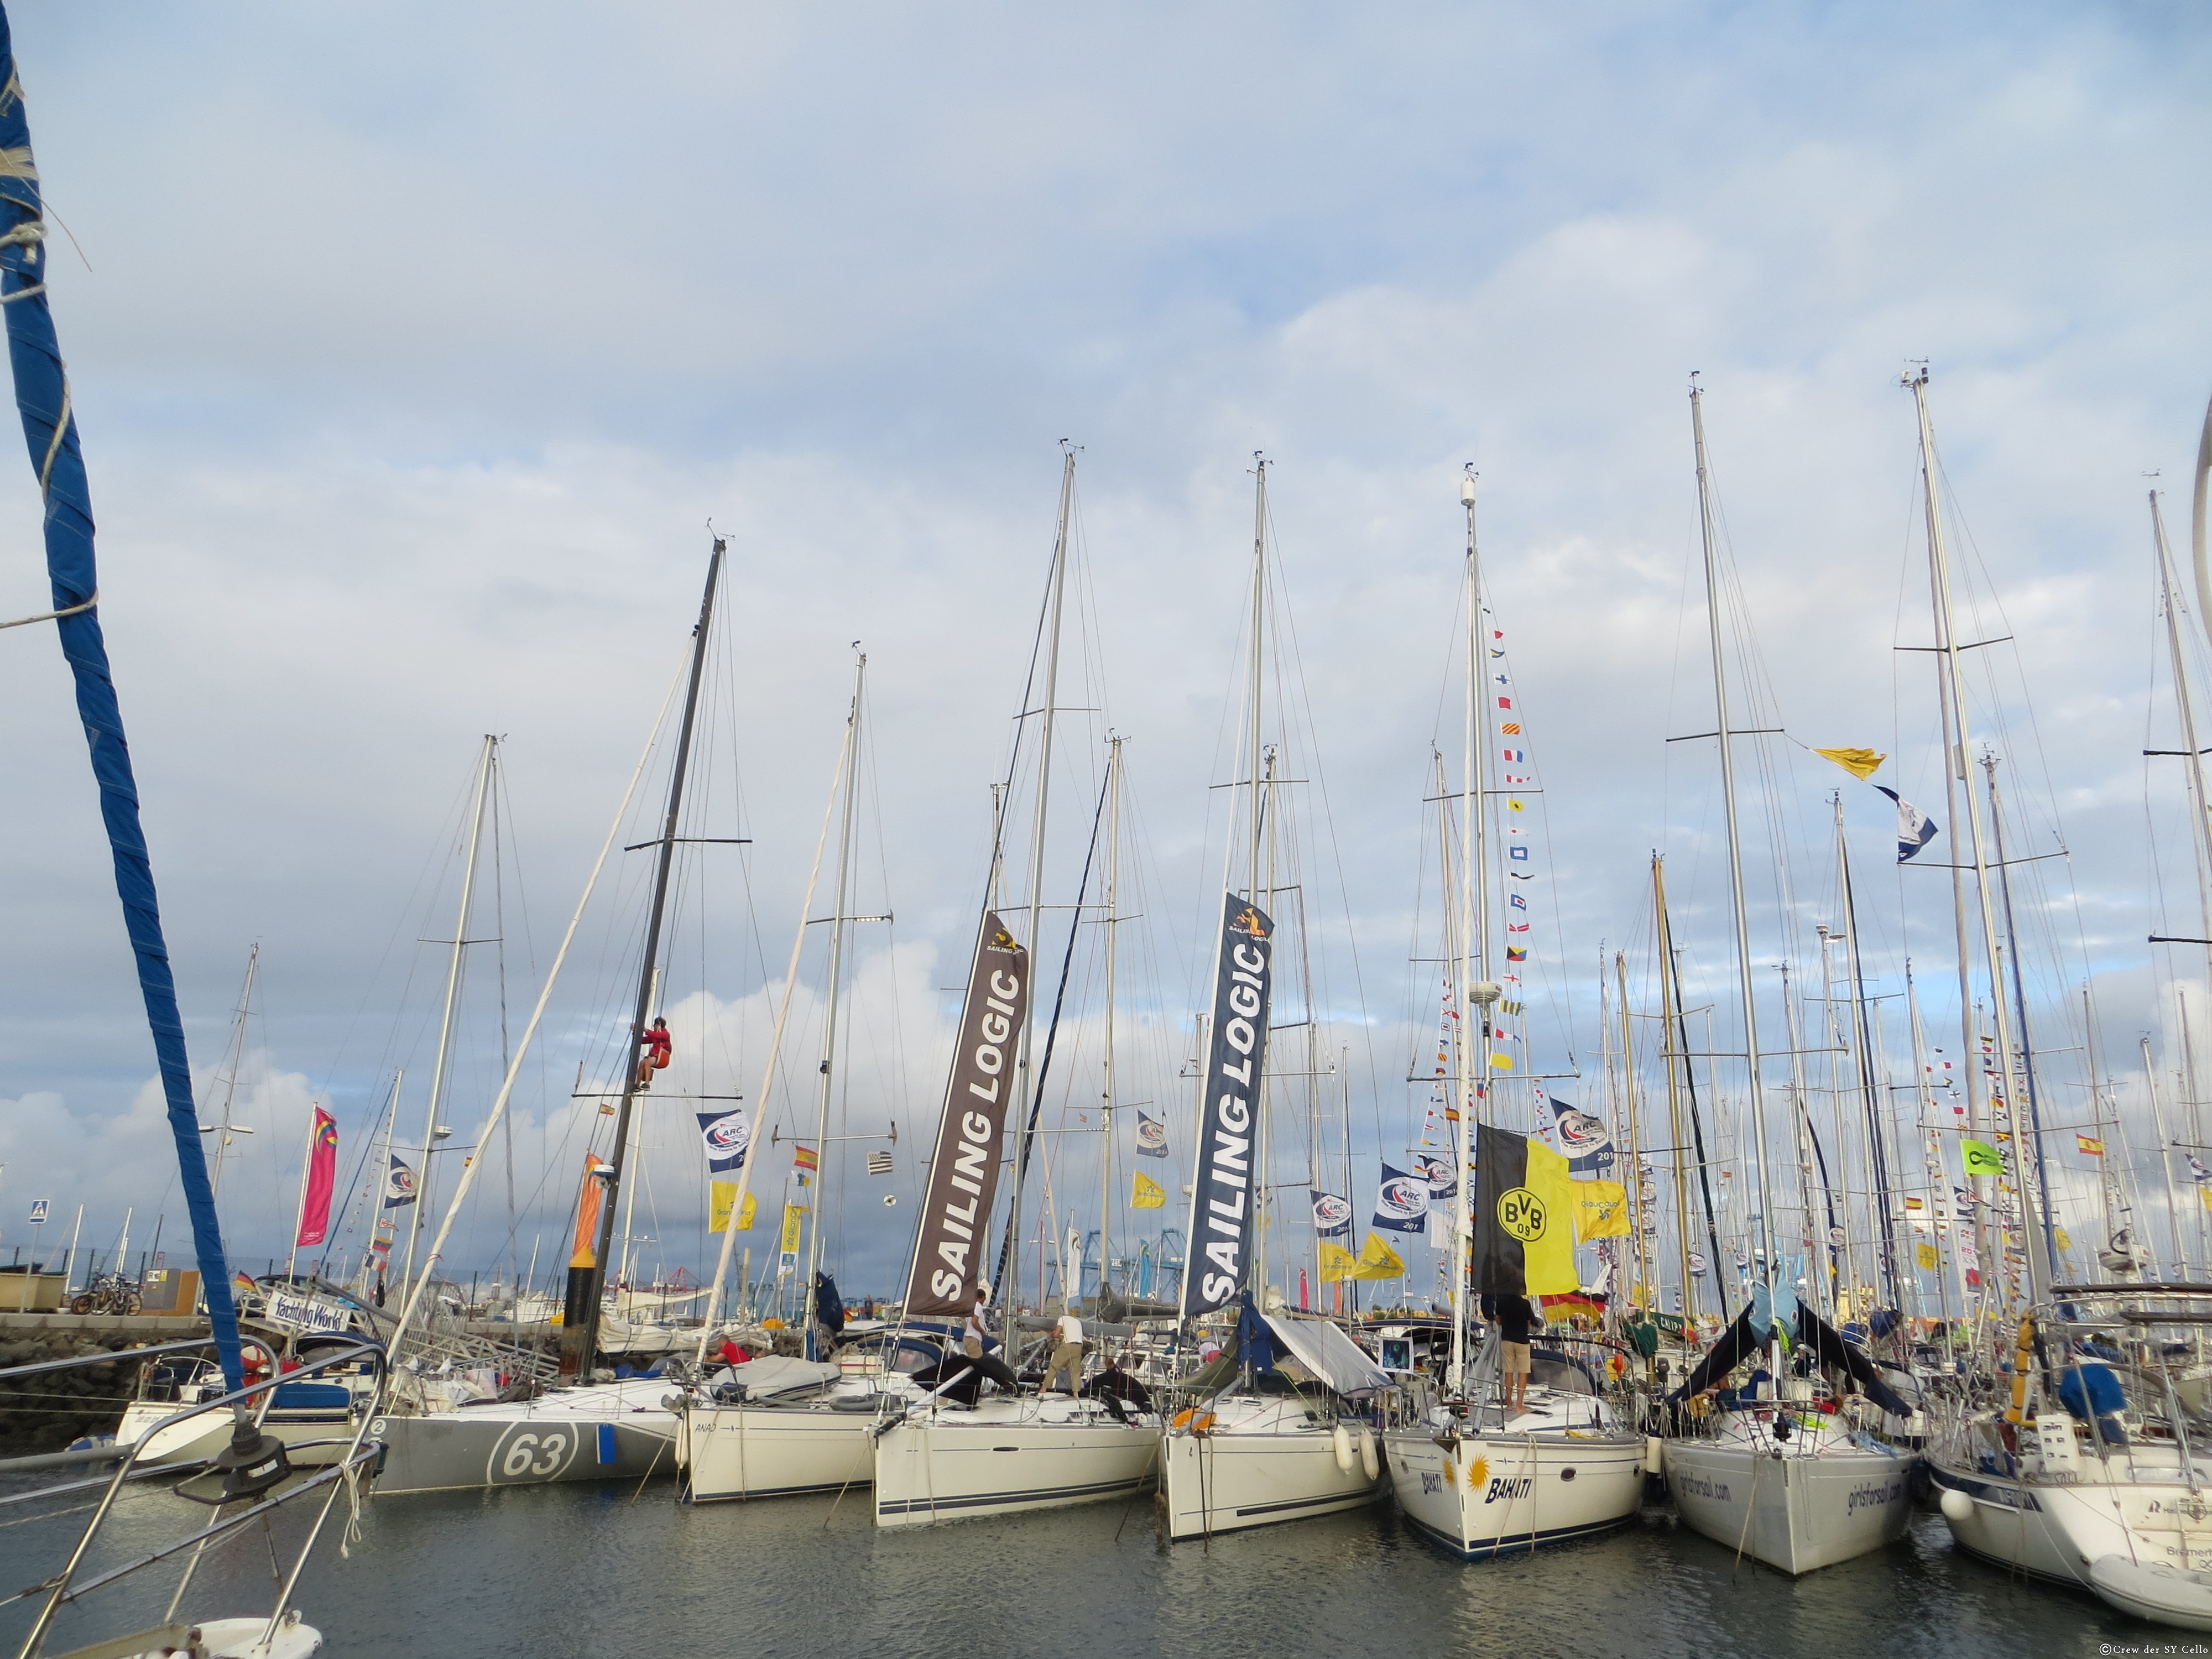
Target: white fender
(1655,1454)
(1370,1462)
(1344,1455)
(1957,1507)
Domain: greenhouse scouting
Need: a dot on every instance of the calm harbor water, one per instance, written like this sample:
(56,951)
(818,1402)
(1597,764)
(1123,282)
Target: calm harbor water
(551,1572)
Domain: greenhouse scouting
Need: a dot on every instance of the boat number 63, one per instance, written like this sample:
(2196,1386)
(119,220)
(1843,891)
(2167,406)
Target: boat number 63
(531,1454)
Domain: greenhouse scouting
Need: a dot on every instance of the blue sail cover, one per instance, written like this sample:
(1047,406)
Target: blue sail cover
(42,394)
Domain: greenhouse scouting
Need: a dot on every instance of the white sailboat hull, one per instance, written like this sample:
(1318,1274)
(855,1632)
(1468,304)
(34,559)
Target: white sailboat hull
(1489,1494)
(771,1451)
(1261,1463)
(1795,1511)
(205,1436)
(2138,1541)
(948,1464)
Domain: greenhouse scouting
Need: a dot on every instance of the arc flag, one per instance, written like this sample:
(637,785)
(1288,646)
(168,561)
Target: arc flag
(1915,829)
(322,1178)
(1144,1193)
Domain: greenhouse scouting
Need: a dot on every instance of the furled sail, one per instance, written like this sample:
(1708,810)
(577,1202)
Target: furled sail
(42,397)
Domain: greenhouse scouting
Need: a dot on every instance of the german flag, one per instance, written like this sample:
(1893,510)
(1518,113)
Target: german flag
(1524,1210)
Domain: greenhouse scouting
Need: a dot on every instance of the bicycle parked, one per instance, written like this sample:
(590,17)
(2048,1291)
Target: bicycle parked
(108,1293)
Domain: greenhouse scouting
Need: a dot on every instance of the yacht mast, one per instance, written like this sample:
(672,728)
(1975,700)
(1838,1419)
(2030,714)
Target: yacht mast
(839,915)
(1478,993)
(453,964)
(1954,706)
(1763,1237)
(1870,1088)
(649,965)
(1025,1066)
(1113,919)
(230,1084)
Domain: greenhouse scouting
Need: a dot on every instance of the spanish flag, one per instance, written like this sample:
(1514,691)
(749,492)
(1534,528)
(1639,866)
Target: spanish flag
(1524,1210)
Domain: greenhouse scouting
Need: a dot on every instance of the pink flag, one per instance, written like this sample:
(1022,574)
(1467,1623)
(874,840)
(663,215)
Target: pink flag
(322,1178)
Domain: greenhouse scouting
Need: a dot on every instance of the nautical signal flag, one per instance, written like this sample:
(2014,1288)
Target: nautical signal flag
(1925,1255)
(1517,953)
(1524,1208)
(1861,763)
(2090,1143)
(1915,829)
(1144,1193)
(1511,728)
(1981,1158)
(1515,757)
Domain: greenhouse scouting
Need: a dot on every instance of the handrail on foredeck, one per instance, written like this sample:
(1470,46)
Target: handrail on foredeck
(237,1403)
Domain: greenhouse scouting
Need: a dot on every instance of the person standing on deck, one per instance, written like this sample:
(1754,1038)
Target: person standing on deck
(975,1338)
(1514,1318)
(1067,1355)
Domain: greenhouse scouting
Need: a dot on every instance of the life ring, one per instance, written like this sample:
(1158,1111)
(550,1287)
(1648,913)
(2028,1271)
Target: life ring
(256,1362)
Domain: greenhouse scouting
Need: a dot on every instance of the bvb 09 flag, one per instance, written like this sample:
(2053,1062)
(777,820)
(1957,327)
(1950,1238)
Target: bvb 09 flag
(1524,1208)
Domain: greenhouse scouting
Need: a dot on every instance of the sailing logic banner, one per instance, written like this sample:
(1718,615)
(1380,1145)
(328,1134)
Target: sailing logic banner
(964,1174)
(1222,1188)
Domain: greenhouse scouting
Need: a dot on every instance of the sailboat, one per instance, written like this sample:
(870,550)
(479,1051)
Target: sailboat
(1772,1473)
(781,1424)
(582,1429)
(2090,1468)
(960,1450)
(1479,1479)
(1252,1447)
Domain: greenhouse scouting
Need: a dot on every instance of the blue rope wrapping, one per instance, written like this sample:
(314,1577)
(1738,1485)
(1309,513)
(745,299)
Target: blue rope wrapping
(43,396)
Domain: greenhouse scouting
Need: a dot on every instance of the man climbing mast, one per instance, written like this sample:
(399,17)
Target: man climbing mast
(658,1046)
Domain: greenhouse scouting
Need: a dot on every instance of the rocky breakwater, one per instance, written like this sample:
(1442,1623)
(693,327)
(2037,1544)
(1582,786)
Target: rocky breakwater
(48,1410)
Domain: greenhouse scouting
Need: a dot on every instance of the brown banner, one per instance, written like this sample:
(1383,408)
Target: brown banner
(948,1245)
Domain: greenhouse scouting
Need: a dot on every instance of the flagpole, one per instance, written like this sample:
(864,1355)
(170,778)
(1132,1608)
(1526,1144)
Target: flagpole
(2164,1163)
(383,1187)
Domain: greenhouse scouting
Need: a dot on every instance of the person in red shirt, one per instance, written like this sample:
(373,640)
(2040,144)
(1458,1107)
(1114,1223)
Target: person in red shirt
(657,1045)
(732,1353)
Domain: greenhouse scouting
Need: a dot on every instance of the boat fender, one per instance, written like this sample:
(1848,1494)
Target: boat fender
(1655,1453)
(1956,1505)
(1370,1462)
(1344,1455)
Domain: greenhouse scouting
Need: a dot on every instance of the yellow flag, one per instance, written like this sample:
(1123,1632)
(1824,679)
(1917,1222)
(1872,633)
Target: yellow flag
(1144,1193)
(725,1194)
(795,1217)
(1600,1210)
(1337,1263)
(1859,762)
(1378,1260)
(1537,1213)
(2205,1192)
(1925,1254)
(1502,1062)
(1515,805)
(2064,1242)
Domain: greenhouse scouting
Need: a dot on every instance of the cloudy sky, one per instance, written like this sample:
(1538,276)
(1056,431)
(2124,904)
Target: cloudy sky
(413,349)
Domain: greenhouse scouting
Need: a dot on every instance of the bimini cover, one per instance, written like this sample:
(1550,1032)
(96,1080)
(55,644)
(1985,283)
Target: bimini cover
(1329,1354)
(776,1373)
